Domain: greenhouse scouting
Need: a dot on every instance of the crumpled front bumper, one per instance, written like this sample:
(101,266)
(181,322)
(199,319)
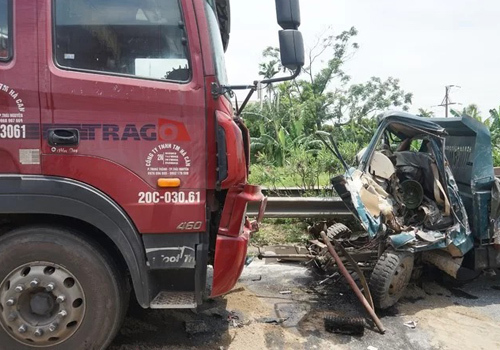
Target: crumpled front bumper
(233,236)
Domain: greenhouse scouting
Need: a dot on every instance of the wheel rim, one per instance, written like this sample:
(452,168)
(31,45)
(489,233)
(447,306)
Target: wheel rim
(41,304)
(399,279)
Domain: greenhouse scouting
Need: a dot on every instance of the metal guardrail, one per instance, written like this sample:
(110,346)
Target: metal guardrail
(293,191)
(302,207)
(289,203)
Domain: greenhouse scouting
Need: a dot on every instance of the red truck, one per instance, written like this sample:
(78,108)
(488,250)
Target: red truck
(123,167)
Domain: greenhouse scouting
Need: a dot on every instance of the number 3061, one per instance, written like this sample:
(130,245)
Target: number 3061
(9,131)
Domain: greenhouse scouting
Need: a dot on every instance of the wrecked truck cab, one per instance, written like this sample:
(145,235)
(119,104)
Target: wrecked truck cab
(426,193)
(404,188)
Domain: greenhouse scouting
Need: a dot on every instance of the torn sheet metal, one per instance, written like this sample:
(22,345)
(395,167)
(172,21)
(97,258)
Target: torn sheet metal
(436,219)
(444,261)
(353,185)
(399,241)
(495,212)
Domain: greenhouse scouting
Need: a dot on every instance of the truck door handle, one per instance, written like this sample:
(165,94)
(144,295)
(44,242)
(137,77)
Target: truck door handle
(64,137)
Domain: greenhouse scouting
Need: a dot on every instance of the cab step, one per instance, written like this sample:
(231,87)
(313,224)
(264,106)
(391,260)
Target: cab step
(174,300)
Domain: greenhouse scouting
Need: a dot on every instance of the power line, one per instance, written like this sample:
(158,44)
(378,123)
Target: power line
(447,102)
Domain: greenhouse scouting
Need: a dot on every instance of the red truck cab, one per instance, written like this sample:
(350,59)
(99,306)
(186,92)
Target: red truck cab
(121,160)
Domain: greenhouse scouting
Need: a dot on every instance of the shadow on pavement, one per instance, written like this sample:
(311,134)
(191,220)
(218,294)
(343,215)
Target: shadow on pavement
(292,311)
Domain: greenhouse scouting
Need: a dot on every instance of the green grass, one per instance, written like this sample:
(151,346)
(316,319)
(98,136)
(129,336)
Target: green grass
(294,231)
(281,231)
(282,177)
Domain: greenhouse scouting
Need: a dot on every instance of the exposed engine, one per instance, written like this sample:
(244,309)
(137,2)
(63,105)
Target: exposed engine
(409,190)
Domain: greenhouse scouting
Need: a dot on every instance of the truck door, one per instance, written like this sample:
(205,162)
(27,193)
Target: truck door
(19,102)
(126,110)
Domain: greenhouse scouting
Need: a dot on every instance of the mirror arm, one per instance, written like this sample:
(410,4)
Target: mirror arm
(283,79)
(247,99)
(221,90)
(239,87)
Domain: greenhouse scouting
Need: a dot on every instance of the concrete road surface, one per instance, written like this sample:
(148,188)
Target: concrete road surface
(282,306)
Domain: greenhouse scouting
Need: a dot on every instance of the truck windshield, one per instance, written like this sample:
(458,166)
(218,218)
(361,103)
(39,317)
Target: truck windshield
(133,37)
(217,46)
(4,30)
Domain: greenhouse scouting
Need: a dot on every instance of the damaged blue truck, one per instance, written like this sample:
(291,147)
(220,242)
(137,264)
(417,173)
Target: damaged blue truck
(424,192)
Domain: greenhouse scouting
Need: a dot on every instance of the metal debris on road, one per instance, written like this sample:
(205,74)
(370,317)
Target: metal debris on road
(235,320)
(272,320)
(286,292)
(411,324)
(352,283)
(335,274)
(490,273)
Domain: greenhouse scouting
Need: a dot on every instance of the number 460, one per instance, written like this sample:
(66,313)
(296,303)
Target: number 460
(191,225)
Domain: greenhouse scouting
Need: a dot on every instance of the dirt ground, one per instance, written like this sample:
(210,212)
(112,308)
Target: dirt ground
(282,306)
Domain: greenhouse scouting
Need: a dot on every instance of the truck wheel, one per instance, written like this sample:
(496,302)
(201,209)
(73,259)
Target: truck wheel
(57,290)
(390,278)
(338,230)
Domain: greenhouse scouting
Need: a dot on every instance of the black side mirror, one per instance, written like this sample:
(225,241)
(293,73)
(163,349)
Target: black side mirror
(292,49)
(291,41)
(288,12)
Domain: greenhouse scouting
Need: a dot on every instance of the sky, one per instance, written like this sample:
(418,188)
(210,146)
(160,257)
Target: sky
(427,44)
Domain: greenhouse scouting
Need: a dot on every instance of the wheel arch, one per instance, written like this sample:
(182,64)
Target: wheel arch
(45,197)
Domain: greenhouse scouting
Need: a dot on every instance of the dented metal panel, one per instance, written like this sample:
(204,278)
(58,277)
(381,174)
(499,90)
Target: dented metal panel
(495,212)
(469,153)
(420,206)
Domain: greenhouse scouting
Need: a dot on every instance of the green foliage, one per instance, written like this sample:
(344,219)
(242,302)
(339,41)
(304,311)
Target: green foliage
(276,139)
(363,100)
(279,231)
(494,125)
(471,110)
(307,170)
(283,125)
(425,113)
(285,150)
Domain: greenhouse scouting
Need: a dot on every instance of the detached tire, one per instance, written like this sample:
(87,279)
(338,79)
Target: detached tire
(338,230)
(58,291)
(390,278)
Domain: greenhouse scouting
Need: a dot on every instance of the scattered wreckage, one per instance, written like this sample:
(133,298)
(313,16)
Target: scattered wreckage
(424,192)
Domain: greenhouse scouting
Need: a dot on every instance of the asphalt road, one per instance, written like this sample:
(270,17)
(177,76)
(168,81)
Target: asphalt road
(282,306)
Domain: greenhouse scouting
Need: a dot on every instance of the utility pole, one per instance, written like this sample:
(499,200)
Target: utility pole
(447,100)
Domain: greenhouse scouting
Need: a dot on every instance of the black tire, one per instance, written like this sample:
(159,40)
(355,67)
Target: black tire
(338,231)
(105,289)
(390,278)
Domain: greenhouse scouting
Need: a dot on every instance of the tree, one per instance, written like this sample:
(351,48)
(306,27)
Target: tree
(277,134)
(364,100)
(494,121)
(324,93)
(425,113)
(322,98)
(271,66)
(471,110)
